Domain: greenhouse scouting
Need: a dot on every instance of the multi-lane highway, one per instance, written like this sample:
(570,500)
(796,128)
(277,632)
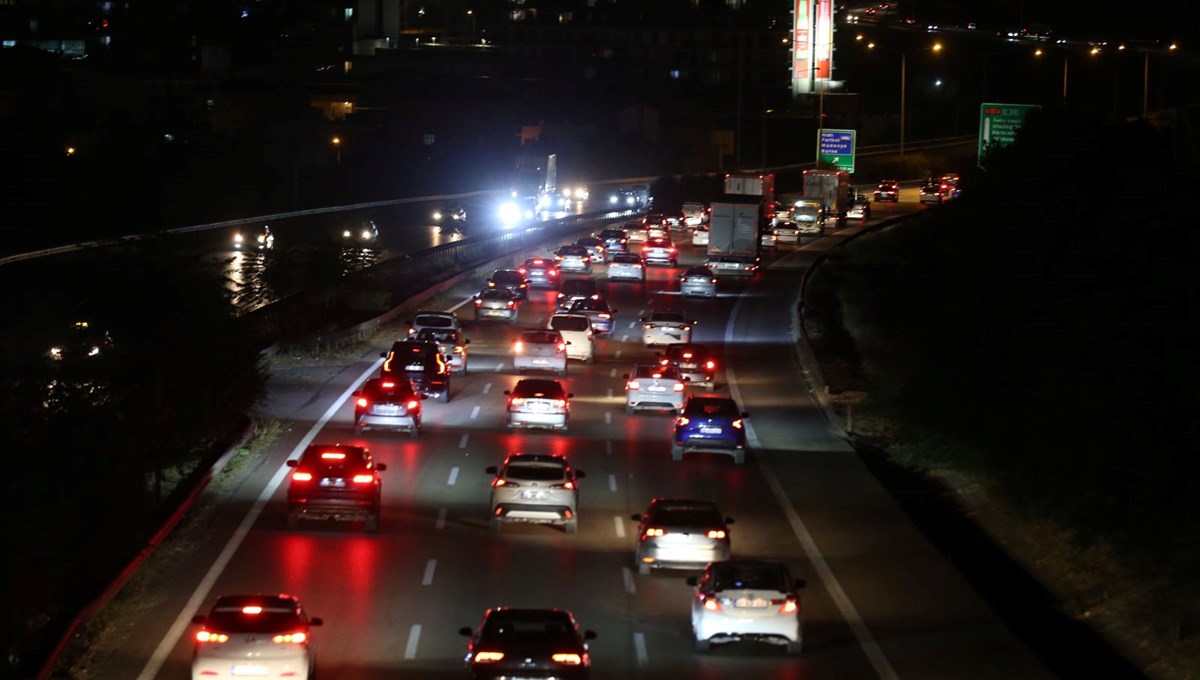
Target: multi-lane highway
(880,601)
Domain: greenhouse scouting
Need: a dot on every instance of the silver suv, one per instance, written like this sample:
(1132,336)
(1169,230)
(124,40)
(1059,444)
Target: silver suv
(538,489)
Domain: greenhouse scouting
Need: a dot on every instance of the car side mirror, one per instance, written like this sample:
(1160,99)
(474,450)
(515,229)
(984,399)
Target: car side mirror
(693,580)
(507,392)
(745,414)
(636,518)
(316,621)
(589,635)
(801,583)
(580,474)
(199,619)
(492,469)
(292,463)
(381,466)
(465,631)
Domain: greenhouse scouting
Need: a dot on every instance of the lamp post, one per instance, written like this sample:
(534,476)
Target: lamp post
(1146,77)
(471,13)
(936,47)
(337,145)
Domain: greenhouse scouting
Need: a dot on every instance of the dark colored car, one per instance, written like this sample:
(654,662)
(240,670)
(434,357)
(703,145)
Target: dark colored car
(541,272)
(710,423)
(420,363)
(335,482)
(387,404)
(512,280)
(528,643)
(695,362)
(933,191)
(888,190)
(576,289)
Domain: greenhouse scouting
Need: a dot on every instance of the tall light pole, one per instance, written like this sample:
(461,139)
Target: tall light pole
(936,47)
(337,145)
(471,13)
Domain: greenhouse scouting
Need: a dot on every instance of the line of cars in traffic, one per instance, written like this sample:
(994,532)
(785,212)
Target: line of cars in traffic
(734,599)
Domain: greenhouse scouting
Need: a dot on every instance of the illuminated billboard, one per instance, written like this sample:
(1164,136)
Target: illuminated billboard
(812,46)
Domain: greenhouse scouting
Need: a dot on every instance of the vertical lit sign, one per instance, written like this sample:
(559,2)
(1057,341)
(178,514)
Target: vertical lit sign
(800,48)
(812,41)
(823,40)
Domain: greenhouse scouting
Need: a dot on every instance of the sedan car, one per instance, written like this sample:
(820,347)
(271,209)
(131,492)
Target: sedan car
(541,272)
(540,403)
(653,387)
(694,362)
(664,327)
(528,643)
(536,489)
(768,239)
(698,281)
(387,404)
(747,600)
(266,636)
(732,265)
(335,482)
(615,241)
(540,350)
(660,250)
(626,268)
(888,190)
(496,303)
(598,313)
(710,423)
(681,533)
(576,289)
(576,329)
(450,344)
(511,280)
(572,258)
(595,247)
(787,231)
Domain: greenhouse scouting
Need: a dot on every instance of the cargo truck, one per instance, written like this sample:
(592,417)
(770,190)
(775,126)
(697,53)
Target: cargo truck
(733,237)
(761,184)
(831,188)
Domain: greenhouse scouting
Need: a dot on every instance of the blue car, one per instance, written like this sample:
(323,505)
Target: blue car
(711,424)
(598,313)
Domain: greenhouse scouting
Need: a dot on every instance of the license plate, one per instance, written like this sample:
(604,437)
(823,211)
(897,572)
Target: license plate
(688,365)
(334,482)
(387,409)
(493,312)
(540,362)
(710,430)
(415,367)
(750,603)
(658,389)
(533,495)
(539,408)
(673,334)
(242,669)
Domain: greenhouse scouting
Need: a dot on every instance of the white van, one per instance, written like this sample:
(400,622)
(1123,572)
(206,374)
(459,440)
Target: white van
(577,330)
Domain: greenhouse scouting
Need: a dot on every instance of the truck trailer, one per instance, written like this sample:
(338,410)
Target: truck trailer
(831,188)
(733,237)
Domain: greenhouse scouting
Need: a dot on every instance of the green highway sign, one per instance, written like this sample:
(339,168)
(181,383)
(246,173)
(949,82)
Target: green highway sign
(836,147)
(998,125)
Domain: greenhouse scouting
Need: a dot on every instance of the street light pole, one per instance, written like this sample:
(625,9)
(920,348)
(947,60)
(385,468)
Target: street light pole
(1065,57)
(903,90)
(1145,82)
(471,13)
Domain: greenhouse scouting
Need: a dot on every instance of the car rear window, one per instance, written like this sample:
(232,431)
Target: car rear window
(534,472)
(572,250)
(437,335)
(750,577)
(434,321)
(540,336)
(711,407)
(665,372)
(332,459)
(415,351)
(271,619)
(626,259)
(681,351)
(550,630)
(540,389)
(686,514)
(507,276)
(667,317)
(569,323)
(494,294)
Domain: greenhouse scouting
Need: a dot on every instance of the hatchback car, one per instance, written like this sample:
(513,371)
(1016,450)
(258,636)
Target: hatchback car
(787,231)
(888,190)
(528,643)
(576,289)
(626,268)
(572,258)
(334,482)
(747,600)
(700,235)
(712,424)
(653,387)
(859,210)
(540,350)
(387,405)
(421,364)
(511,280)
(660,250)
(698,282)
(598,312)
(536,489)
(681,533)
(496,303)
(595,247)
(615,241)
(539,403)
(768,239)
(451,345)
(693,361)
(576,329)
(541,272)
(266,636)
(664,328)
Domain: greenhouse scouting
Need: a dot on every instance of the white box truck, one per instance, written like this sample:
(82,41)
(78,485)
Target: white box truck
(733,238)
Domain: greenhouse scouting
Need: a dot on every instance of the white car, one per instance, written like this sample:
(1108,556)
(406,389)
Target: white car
(666,328)
(700,235)
(626,268)
(538,402)
(576,329)
(540,350)
(860,210)
(787,232)
(747,600)
(437,321)
(573,258)
(266,636)
(539,489)
(698,281)
(654,387)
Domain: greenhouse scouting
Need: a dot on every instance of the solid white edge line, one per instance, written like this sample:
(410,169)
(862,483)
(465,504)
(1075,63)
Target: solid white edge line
(414,637)
(453,476)
(430,568)
(639,648)
(175,632)
(879,661)
(619,521)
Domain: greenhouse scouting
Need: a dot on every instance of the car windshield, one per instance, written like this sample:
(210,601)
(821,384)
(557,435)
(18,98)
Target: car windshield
(443,336)
(589,306)
(518,628)
(540,336)
(434,321)
(562,322)
(707,406)
(534,472)
(242,617)
(656,372)
(750,576)
(686,514)
(667,317)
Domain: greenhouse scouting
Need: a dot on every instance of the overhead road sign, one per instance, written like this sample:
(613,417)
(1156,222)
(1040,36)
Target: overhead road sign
(836,147)
(998,125)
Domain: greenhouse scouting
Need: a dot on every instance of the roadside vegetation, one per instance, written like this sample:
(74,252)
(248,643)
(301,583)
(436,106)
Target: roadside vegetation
(1037,336)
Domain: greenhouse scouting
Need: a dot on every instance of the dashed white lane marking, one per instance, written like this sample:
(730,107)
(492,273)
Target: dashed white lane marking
(414,636)
(607,418)
(430,567)
(462,443)
(619,521)
(608,447)
(499,366)
(639,649)
(441,520)
(610,393)
(487,387)
(630,582)
(632,324)
(612,483)
(474,413)
(453,476)
(617,354)
(624,337)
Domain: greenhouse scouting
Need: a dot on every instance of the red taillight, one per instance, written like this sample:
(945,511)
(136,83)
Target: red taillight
(716,533)
(297,638)
(209,637)
(518,347)
(488,657)
(789,605)
(516,401)
(711,365)
(299,476)
(362,402)
(562,347)
(567,659)
(633,385)
(569,486)
(364,479)
(478,302)
(672,249)
(664,362)
(711,604)
(552,272)
(522,270)
(511,304)
(678,387)
(681,421)
(654,532)
(647,326)
(560,403)
(413,405)
(500,482)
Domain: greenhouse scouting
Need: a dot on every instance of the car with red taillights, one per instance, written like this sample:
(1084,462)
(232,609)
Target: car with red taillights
(541,272)
(540,349)
(712,424)
(751,600)
(681,533)
(420,363)
(496,303)
(599,314)
(695,362)
(535,489)
(538,403)
(654,387)
(335,482)
(573,258)
(660,250)
(266,636)
(387,405)
(528,643)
